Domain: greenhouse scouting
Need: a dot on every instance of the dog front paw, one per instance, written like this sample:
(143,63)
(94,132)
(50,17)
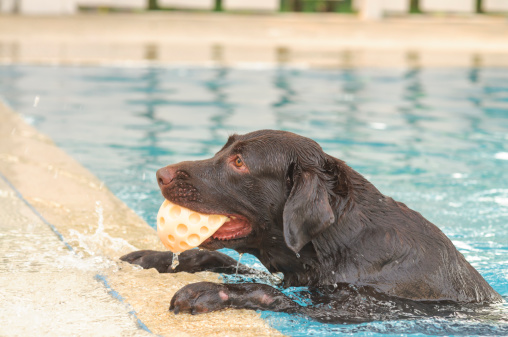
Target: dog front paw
(150,259)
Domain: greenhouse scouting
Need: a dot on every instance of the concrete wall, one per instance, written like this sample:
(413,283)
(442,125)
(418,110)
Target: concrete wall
(7,6)
(452,6)
(396,6)
(391,6)
(369,8)
(258,5)
(59,7)
(187,4)
(138,4)
(495,5)
(37,7)
(374,9)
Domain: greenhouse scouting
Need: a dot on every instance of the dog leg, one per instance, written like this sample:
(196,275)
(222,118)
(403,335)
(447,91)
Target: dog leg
(203,297)
(191,261)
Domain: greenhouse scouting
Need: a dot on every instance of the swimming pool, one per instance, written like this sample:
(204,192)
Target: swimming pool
(436,139)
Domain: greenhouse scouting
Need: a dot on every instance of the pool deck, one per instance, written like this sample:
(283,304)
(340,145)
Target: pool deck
(307,40)
(63,230)
(60,268)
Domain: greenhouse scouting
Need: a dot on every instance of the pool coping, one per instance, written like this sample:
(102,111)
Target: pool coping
(226,39)
(67,197)
(32,279)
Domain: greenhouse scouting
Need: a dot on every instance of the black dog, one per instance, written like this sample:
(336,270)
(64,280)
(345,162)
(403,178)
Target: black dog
(308,215)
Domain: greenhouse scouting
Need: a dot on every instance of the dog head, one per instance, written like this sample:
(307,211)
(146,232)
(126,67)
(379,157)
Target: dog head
(275,187)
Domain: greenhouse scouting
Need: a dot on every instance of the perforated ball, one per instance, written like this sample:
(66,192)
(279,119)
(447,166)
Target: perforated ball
(180,228)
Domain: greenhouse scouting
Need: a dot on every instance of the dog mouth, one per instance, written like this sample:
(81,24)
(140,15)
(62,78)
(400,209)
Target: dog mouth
(235,227)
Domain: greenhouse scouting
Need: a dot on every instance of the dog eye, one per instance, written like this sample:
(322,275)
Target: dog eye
(238,162)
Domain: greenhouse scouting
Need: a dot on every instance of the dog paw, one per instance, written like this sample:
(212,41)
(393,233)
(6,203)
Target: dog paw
(201,297)
(150,259)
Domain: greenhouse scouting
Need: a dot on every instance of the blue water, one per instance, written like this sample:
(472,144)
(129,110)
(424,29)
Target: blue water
(436,139)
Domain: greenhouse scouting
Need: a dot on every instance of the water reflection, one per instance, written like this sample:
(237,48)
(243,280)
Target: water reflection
(283,55)
(346,58)
(413,60)
(217,53)
(432,138)
(151,52)
(150,86)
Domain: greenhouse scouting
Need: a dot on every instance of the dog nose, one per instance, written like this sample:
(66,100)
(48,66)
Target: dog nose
(165,175)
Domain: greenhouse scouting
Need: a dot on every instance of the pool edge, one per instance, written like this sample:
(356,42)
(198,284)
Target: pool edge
(69,198)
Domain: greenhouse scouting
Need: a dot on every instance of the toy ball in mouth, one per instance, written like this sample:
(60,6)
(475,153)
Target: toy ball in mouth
(181,229)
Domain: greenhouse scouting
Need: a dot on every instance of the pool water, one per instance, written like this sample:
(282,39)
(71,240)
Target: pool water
(435,139)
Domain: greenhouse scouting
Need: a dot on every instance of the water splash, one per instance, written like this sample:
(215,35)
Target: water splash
(277,278)
(175,261)
(100,214)
(238,263)
(100,243)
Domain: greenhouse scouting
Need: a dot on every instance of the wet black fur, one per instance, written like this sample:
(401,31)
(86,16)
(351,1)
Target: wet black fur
(322,225)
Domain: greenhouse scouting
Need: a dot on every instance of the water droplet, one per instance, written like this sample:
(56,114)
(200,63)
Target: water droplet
(238,263)
(278,277)
(175,262)
(100,214)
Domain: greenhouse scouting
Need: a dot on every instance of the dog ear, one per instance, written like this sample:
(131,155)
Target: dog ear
(307,211)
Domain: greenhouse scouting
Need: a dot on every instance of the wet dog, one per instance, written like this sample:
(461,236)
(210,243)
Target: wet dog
(321,224)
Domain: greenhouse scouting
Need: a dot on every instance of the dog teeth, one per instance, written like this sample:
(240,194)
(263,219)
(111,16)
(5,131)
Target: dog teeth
(226,237)
(233,217)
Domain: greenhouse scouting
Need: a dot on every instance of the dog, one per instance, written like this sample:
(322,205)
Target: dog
(360,254)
